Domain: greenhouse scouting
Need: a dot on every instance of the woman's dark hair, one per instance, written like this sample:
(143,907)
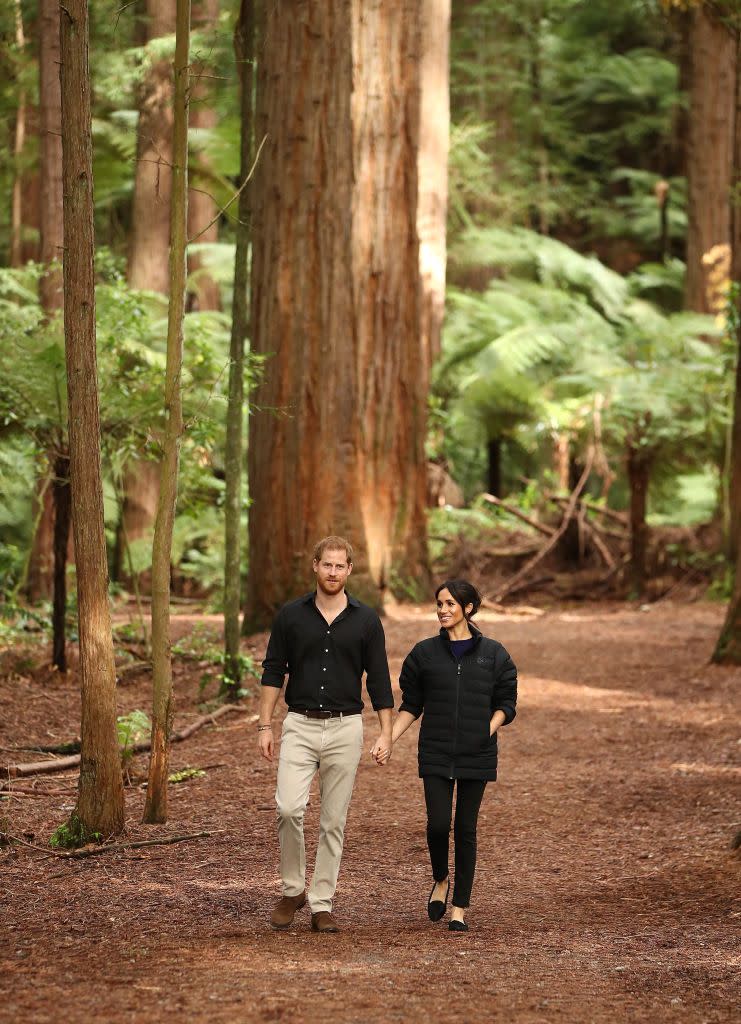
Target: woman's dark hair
(464,593)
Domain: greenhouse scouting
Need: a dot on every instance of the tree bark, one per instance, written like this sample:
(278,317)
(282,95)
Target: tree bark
(150,232)
(710,146)
(337,438)
(733,485)
(62,505)
(244,39)
(432,163)
(202,208)
(16,210)
(40,574)
(51,292)
(150,246)
(639,470)
(100,806)
(155,809)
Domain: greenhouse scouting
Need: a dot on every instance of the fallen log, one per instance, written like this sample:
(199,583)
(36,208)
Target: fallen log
(608,513)
(550,544)
(13,771)
(547,530)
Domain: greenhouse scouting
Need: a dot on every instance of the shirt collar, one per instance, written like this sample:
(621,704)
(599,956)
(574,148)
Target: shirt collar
(476,634)
(311,597)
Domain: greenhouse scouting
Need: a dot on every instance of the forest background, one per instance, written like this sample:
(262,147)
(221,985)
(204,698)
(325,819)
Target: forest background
(460,285)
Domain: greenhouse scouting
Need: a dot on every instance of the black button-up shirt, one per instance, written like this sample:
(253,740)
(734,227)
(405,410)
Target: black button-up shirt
(325,662)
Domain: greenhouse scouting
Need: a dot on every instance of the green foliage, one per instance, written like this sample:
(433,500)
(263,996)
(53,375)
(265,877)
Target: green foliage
(131,729)
(205,646)
(73,834)
(186,774)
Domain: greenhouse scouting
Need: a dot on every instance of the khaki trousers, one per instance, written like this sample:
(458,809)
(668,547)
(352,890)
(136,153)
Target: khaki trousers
(331,746)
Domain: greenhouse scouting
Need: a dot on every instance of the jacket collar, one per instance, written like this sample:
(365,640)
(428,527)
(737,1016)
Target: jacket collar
(475,633)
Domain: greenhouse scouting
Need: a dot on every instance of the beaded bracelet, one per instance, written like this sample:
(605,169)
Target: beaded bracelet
(260,728)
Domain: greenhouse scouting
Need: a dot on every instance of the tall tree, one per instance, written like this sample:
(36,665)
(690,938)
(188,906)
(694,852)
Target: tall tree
(51,155)
(336,298)
(202,209)
(100,805)
(712,99)
(155,809)
(16,211)
(150,243)
(244,35)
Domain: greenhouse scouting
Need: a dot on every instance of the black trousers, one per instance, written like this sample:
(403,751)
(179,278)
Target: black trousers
(439,800)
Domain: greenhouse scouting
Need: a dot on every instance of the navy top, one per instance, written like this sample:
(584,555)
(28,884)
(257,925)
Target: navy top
(459,647)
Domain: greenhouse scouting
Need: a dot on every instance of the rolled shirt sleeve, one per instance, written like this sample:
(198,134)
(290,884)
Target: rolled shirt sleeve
(275,665)
(505,687)
(411,688)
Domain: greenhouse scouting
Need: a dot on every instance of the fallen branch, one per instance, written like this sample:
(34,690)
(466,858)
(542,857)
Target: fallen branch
(568,515)
(61,764)
(93,851)
(600,545)
(547,530)
(132,668)
(609,513)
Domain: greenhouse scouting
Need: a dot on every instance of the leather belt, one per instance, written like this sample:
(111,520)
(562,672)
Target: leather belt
(317,713)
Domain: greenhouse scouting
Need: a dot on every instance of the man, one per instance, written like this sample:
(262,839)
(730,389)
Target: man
(324,641)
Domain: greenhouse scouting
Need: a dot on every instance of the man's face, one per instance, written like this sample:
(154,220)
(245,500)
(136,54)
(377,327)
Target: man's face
(332,571)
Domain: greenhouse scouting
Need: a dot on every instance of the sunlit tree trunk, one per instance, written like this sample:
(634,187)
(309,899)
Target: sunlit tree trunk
(100,806)
(155,809)
(60,489)
(149,245)
(733,485)
(244,37)
(202,208)
(432,163)
(712,52)
(337,442)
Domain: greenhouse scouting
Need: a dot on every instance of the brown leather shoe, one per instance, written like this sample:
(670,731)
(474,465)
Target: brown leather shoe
(284,911)
(324,922)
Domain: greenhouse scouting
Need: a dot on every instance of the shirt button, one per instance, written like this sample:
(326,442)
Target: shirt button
(324,670)
(320,705)
(326,650)
(322,687)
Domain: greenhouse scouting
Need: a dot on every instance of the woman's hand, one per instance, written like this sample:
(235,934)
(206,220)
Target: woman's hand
(381,749)
(497,720)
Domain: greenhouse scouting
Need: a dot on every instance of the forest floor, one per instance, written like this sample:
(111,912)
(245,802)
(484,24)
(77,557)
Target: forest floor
(606,888)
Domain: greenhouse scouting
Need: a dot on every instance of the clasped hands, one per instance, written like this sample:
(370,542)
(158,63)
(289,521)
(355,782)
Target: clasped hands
(381,750)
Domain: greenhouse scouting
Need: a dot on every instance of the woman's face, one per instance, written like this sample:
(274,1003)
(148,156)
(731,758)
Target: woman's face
(449,612)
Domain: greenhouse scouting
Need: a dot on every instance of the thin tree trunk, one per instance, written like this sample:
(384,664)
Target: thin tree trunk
(336,299)
(155,809)
(39,581)
(710,146)
(100,805)
(16,213)
(62,504)
(202,209)
(244,36)
(494,465)
(638,478)
(51,292)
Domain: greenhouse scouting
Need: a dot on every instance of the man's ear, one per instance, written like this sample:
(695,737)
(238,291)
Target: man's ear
(315,565)
(349,568)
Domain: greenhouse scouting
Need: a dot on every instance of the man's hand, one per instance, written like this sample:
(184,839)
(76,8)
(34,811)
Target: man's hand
(266,743)
(381,749)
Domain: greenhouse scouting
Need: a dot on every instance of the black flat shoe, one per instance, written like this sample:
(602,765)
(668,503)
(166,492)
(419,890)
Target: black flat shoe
(436,908)
(457,926)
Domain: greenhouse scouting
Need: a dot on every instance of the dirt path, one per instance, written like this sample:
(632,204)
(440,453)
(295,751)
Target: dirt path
(605,889)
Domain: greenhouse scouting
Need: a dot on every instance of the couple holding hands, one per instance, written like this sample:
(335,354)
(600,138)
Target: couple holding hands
(463,684)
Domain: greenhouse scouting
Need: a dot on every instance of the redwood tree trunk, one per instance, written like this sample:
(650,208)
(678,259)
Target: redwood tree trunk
(244,37)
(710,146)
(16,209)
(150,246)
(100,806)
(155,808)
(638,479)
(734,484)
(150,232)
(432,164)
(202,208)
(50,110)
(336,298)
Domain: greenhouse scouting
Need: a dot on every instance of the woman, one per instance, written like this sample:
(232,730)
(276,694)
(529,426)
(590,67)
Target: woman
(465,685)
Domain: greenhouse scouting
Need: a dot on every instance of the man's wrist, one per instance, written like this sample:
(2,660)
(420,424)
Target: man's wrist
(264,725)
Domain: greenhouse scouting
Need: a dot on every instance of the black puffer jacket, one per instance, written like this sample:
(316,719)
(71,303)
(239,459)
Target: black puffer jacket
(458,699)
